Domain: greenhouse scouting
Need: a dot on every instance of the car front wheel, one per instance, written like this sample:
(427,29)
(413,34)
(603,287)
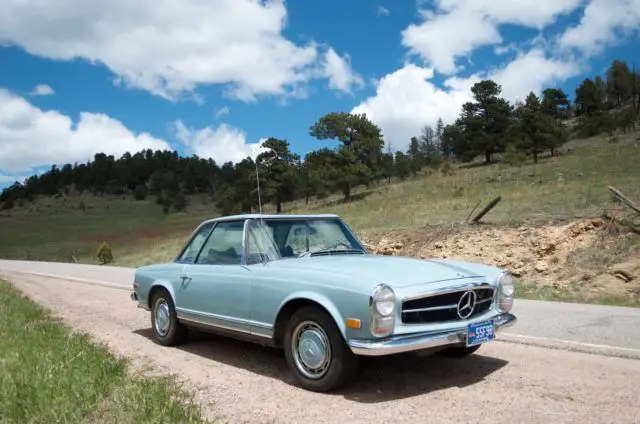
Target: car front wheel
(316,352)
(167,330)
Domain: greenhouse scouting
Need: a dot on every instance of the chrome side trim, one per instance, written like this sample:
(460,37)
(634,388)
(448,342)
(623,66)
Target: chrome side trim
(420,341)
(225,323)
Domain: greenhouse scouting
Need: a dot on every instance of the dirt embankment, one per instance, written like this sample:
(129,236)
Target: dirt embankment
(584,252)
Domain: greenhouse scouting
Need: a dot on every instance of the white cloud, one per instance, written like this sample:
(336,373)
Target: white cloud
(168,47)
(223,111)
(601,24)
(407,99)
(31,137)
(42,90)
(4,179)
(531,72)
(457,27)
(338,70)
(223,143)
(382,11)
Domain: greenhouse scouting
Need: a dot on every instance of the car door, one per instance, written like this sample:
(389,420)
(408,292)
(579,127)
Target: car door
(215,287)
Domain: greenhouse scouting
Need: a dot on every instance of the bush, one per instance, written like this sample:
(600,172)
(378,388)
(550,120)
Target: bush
(105,254)
(7,205)
(446,168)
(180,202)
(140,192)
(513,157)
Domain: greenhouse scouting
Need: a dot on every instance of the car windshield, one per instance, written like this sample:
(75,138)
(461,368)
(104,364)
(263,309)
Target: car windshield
(274,239)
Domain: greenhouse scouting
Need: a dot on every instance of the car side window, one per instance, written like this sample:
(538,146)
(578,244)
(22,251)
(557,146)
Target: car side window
(224,246)
(189,254)
(313,236)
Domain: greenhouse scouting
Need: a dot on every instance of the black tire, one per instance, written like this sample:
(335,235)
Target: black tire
(459,352)
(177,332)
(342,363)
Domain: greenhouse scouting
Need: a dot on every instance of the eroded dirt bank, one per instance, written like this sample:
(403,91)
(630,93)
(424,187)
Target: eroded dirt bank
(591,253)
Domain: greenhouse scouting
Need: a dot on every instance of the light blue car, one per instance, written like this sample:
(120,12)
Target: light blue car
(306,284)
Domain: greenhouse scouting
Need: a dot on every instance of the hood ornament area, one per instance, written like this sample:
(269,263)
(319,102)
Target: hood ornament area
(467,304)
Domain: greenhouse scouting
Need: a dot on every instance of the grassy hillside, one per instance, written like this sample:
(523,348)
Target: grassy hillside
(570,186)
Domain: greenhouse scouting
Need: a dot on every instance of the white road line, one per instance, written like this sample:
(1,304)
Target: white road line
(571,342)
(77,279)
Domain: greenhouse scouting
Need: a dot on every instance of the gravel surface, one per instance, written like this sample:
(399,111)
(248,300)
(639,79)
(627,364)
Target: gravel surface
(239,382)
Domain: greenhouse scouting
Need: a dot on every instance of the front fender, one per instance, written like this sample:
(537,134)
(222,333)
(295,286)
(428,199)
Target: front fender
(321,300)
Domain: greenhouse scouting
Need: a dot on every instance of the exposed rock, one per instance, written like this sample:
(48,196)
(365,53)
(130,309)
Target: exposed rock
(541,266)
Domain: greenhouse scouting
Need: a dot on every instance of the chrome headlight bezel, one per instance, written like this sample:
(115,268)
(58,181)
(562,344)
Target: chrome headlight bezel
(505,292)
(383,300)
(382,311)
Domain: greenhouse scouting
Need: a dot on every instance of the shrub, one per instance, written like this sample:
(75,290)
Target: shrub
(105,254)
(513,157)
(179,201)
(446,168)
(140,192)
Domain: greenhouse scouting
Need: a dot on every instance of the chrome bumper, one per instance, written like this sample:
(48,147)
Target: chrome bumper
(413,342)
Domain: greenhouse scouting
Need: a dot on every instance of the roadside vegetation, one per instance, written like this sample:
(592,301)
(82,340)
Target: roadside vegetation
(550,159)
(50,375)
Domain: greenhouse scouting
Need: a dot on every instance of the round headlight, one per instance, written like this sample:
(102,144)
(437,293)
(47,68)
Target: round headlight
(506,291)
(384,300)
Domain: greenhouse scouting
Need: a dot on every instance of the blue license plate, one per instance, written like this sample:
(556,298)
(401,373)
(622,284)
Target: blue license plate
(480,332)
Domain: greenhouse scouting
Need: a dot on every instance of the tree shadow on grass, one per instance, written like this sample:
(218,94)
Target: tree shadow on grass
(378,380)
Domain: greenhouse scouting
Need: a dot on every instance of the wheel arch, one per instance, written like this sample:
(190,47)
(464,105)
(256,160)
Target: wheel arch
(294,302)
(156,287)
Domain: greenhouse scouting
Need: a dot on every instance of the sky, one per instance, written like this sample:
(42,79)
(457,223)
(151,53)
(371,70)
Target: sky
(216,78)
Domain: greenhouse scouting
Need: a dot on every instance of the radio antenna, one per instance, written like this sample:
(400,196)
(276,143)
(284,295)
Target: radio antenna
(258,182)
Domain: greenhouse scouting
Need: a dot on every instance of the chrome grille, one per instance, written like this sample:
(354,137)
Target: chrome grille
(444,307)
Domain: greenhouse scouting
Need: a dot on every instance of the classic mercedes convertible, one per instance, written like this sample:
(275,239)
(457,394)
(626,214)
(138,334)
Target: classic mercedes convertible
(307,285)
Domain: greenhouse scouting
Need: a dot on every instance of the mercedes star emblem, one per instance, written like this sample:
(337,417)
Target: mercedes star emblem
(466,304)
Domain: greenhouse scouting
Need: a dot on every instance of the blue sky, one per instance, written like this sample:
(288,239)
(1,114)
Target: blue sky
(214,79)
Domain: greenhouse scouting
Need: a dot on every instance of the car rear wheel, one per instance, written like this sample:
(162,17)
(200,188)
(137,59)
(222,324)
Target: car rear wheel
(167,330)
(459,352)
(316,352)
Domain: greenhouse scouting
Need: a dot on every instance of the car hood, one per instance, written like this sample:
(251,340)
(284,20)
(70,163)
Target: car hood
(396,271)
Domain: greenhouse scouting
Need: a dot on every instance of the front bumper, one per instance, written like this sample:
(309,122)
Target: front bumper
(413,342)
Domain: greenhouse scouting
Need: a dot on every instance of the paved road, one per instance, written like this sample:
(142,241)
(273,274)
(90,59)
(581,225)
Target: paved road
(587,328)
(240,382)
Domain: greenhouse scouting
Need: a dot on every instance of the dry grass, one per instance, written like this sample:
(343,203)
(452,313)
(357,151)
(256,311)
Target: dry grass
(573,185)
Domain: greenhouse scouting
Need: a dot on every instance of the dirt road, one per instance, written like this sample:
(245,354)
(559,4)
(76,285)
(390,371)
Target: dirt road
(243,383)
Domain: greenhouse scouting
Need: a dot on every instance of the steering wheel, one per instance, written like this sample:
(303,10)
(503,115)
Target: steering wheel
(341,243)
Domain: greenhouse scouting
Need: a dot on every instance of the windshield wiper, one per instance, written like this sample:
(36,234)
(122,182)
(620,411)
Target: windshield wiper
(330,252)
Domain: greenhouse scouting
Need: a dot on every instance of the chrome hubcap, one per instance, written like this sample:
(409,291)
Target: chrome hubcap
(311,350)
(162,317)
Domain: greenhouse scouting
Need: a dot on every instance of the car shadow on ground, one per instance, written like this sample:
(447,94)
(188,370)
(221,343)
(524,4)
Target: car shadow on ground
(378,379)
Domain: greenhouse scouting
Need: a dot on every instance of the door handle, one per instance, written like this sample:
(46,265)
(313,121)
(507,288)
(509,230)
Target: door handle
(185,279)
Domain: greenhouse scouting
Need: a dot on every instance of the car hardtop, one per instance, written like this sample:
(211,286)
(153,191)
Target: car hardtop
(241,217)
(268,217)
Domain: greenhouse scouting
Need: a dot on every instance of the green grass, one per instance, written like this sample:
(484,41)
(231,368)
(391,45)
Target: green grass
(50,375)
